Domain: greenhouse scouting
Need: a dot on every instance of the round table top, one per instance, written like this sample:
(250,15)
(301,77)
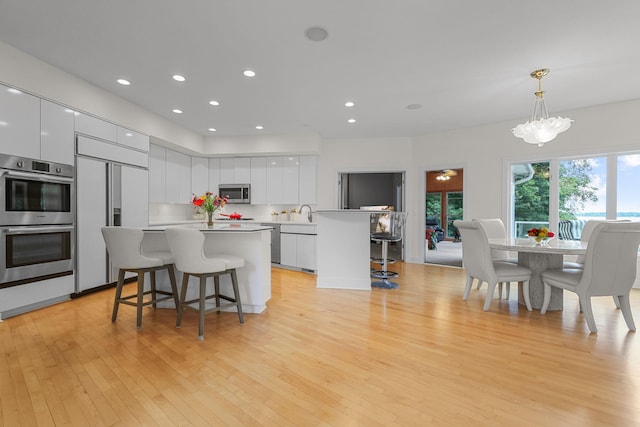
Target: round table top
(553,246)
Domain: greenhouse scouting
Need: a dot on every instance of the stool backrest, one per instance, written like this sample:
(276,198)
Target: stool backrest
(187,248)
(124,248)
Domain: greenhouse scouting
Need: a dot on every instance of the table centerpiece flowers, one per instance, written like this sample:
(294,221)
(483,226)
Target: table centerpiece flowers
(540,235)
(209,203)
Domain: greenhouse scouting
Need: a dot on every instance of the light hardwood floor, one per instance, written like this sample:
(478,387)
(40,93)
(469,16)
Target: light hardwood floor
(414,356)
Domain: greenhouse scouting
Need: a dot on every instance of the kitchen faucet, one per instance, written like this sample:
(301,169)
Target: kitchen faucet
(309,216)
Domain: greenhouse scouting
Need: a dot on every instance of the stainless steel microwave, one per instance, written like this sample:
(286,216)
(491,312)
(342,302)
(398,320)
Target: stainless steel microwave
(235,193)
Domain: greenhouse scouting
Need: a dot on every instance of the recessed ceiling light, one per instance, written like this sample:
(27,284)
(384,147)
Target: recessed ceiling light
(177,111)
(12,90)
(316,34)
(349,104)
(351,120)
(124,82)
(249,73)
(414,106)
(128,134)
(214,102)
(212,129)
(259,127)
(179,78)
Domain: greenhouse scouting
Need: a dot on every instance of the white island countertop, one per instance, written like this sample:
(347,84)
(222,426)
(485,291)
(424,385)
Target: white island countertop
(226,226)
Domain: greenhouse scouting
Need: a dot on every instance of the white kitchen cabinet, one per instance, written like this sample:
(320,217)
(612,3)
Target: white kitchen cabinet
(298,246)
(98,128)
(178,178)
(274,180)
(290,184)
(134,195)
(157,174)
(214,175)
(133,139)
(288,249)
(308,179)
(57,135)
(235,170)
(91,253)
(200,176)
(19,123)
(259,181)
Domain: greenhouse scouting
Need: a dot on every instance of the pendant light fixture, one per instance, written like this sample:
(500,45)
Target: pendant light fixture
(541,128)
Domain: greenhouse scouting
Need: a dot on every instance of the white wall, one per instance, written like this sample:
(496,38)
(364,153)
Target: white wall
(262,145)
(41,79)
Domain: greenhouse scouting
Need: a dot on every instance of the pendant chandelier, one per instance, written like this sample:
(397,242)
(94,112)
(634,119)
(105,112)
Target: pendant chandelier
(541,128)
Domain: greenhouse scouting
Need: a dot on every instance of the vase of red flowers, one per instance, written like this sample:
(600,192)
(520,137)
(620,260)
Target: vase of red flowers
(209,203)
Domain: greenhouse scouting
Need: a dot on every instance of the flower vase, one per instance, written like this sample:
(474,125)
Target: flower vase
(210,219)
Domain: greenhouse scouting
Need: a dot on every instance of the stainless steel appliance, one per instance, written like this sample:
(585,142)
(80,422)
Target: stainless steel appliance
(36,252)
(236,193)
(37,237)
(35,192)
(275,241)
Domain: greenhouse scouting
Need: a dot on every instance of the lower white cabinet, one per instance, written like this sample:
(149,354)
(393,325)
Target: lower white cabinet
(298,246)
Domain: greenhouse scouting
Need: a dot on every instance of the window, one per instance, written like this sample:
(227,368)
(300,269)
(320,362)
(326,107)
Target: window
(628,194)
(586,188)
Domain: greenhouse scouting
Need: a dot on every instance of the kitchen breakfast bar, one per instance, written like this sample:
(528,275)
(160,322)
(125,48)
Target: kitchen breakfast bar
(249,241)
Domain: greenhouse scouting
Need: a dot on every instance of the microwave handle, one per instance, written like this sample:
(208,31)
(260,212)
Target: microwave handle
(39,177)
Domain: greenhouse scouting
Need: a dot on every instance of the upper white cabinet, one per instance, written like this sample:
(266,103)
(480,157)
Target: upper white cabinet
(56,133)
(235,170)
(282,180)
(274,180)
(308,173)
(259,181)
(178,177)
(133,139)
(290,178)
(157,174)
(200,176)
(19,123)
(214,175)
(95,127)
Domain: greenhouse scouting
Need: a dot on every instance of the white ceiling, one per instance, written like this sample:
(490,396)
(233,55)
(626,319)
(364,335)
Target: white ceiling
(466,62)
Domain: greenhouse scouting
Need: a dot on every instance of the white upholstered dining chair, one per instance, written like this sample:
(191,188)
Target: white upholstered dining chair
(495,229)
(124,246)
(610,266)
(478,264)
(187,247)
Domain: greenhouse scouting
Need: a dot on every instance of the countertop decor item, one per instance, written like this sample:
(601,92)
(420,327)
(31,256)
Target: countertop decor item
(540,235)
(209,203)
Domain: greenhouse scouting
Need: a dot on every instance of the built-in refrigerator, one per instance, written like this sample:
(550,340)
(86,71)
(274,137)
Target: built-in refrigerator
(109,193)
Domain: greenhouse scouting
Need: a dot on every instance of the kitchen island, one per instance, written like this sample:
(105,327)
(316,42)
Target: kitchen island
(344,249)
(249,241)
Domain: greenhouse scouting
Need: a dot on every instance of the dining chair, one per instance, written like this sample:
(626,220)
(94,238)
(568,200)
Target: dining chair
(495,229)
(478,263)
(587,230)
(187,247)
(124,246)
(610,266)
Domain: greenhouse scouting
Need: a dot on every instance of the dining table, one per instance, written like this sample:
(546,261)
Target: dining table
(539,257)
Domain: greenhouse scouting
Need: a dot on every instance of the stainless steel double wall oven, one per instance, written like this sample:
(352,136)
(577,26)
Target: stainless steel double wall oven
(37,210)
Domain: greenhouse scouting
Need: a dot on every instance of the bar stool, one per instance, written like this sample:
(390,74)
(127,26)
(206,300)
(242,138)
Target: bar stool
(187,247)
(125,253)
(389,229)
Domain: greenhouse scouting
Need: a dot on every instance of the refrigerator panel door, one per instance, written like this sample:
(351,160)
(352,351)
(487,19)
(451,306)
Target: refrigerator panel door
(91,200)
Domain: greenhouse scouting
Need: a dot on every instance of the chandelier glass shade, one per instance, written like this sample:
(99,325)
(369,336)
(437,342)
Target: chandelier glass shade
(541,128)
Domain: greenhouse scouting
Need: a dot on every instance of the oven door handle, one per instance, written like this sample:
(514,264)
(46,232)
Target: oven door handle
(39,177)
(36,229)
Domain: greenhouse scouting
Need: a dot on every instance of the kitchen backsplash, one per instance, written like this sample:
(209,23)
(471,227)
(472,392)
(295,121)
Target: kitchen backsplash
(168,212)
